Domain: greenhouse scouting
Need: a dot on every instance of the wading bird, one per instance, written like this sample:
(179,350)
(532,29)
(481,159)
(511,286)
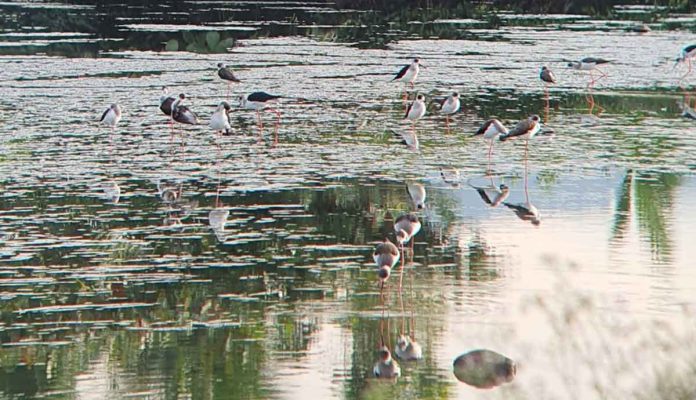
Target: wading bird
(408,73)
(181,113)
(450,106)
(220,121)
(386,256)
(259,101)
(490,130)
(406,227)
(590,64)
(526,128)
(415,111)
(226,74)
(111,116)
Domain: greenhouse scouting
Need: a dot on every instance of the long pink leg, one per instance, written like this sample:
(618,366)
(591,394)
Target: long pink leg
(490,151)
(526,169)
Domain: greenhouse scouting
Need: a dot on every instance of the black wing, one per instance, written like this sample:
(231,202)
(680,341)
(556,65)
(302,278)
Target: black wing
(408,110)
(690,48)
(262,97)
(483,128)
(185,116)
(592,60)
(484,196)
(402,72)
(227,75)
(104,115)
(166,106)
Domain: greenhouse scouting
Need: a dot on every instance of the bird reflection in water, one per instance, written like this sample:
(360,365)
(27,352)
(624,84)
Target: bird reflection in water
(177,208)
(407,348)
(386,367)
(111,191)
(493,195)
(408,139)
(526,212)
(217,217)
(484,369)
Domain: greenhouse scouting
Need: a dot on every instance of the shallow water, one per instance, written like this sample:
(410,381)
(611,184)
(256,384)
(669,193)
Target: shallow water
(109,289)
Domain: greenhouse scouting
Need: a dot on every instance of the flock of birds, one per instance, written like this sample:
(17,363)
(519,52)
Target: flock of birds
(387,253)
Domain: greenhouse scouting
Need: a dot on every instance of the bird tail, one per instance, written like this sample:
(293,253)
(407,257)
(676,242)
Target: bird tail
(504,137)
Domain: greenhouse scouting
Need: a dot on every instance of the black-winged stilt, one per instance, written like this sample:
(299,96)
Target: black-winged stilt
(490,130)
(220,121)
(181,113)
(259,101)
(590,64)
(408,73)
(548,78)
(415,111)
(111,116)
(450,106)
(406,227)
(166,102)
(386,256)
(526,128)
(226,74)
(546,75)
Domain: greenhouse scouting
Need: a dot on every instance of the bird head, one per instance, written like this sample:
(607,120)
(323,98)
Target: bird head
(504,188)
(416,60)
(182,96)
(455,95)
(420,97)
(221,65)
(226,106)
(384,273)
(535,118)
(401,237)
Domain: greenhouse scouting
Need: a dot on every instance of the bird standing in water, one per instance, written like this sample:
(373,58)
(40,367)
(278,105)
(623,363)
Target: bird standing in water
(408,73)
(590,64)
(415,111)
(181,113)
(111,116)
(526,128)
(386,256)
(490,130)
(220,121)
(226,74)
(406,227)
(450,106)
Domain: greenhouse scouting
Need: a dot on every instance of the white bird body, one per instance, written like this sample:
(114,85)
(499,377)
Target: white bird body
(416,110)
(408,73)
(220,121)
(451,105)
(491,129)
(406,227)
(111,116)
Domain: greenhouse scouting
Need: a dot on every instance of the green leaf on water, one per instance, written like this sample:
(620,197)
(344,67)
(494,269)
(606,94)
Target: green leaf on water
(212,38)
(172,45)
